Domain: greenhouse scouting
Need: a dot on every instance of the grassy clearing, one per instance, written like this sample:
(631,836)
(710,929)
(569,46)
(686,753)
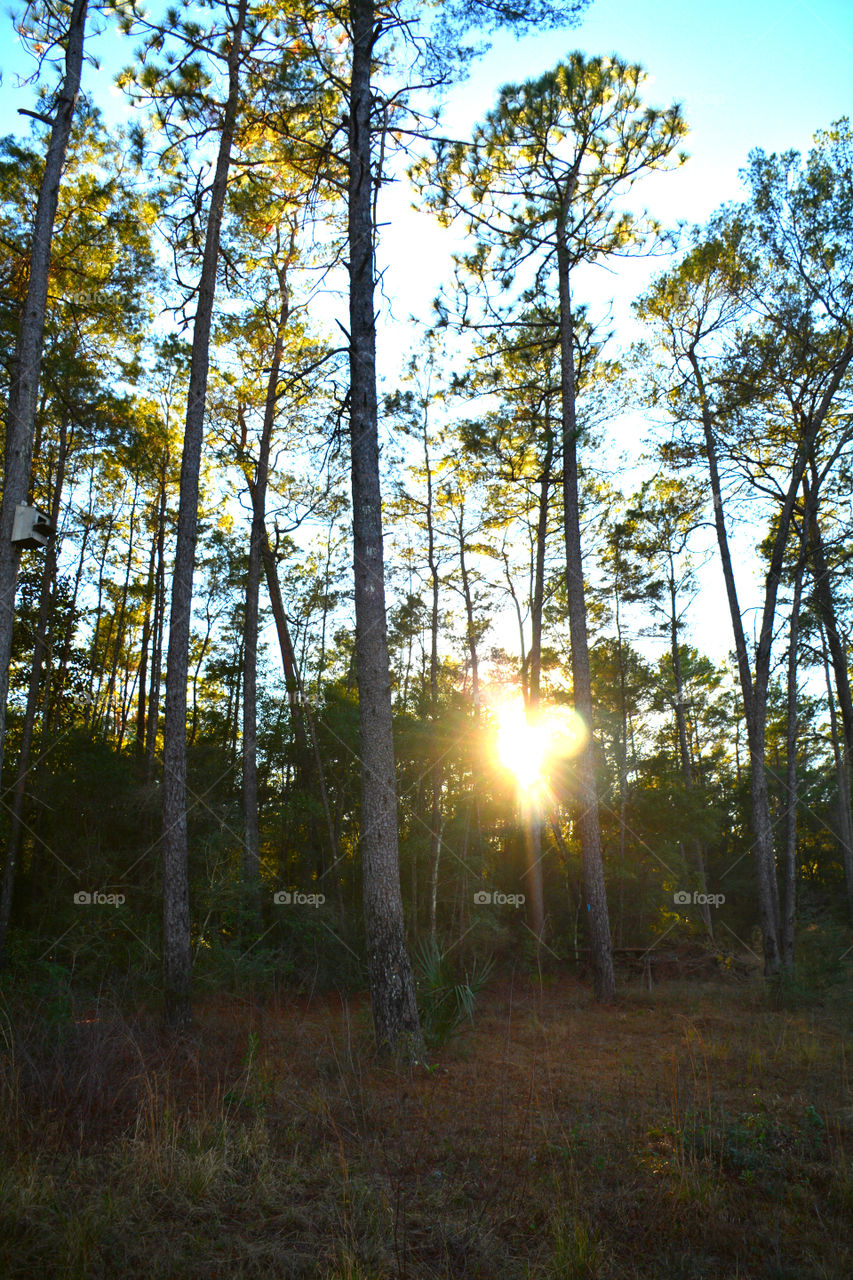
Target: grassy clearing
(688,1132)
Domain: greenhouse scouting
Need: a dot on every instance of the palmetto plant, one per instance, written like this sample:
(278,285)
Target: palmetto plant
(444,1000)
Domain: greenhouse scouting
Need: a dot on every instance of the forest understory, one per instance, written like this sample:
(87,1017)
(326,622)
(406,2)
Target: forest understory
(697,1129)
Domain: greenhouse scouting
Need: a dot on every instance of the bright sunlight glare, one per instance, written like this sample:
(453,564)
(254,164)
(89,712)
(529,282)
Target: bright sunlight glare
(526,748)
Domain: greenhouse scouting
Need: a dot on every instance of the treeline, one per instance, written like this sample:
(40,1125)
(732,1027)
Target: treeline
(210,715)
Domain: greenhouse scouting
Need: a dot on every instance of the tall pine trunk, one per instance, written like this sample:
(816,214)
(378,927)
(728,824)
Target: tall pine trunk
(142,673)
(684,746)
(152,726)
(825,597)
(251,865)
(13,847)
(534,818)
(755,692)
(470,624)
(789,867)
(587,795)
(177,959)
(303,719)
(392,988)
(842,774)
(26,365)
(755,710)
(436,822)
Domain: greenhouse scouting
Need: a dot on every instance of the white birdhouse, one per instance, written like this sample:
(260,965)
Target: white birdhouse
(32,528)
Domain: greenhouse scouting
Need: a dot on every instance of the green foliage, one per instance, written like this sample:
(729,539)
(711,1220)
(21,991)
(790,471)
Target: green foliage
(822,966)
(445,1000)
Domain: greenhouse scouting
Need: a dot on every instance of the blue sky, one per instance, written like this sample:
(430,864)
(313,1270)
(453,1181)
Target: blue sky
(752,73)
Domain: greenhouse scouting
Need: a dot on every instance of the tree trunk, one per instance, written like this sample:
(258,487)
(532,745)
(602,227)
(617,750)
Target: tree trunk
(789,898)
(251,865)
(392,988)
(533,813)
(142,682)
(51,704)
(825,598)
(118,639)
(300,709)
(94,665)
(623,764)
(698,856)
(233,726)
(755,694)
(842,773)
(26,365)
(321,658)
(755,711)
(437,820)
(153,726)
(436,823)
(13,847)
(470,628)
(587,815)
(177,958)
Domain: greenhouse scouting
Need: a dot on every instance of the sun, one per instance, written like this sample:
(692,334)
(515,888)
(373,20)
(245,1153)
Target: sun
(527,747)
(521,745)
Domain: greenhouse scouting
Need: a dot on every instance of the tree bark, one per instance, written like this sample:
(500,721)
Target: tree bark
(94,663)
(142,682)
(392,988)
(177,958)
(698,856)
(470,628)
(533,815)
(153,725)
(587,815)
(13,847)
(755,694)
(789,876)
(436,819)
(842,774)
(300,708)
(251,864)
(51,702)
(825,597)
(623,763)
(26,366)
(755,711)
(119,621)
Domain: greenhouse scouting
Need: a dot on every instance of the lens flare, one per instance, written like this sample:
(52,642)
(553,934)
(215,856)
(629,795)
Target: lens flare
(521,746)
(530,746)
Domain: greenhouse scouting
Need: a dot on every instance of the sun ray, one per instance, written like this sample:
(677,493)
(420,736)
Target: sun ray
(529,746)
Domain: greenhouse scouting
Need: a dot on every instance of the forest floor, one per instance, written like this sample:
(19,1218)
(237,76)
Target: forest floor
(690,1131)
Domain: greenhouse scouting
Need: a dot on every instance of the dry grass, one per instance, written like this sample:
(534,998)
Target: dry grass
(684,1133)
